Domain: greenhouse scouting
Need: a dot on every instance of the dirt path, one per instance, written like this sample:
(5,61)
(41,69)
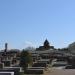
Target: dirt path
(60,72)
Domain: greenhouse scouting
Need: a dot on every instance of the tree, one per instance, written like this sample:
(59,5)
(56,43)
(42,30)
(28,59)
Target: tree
(25,59)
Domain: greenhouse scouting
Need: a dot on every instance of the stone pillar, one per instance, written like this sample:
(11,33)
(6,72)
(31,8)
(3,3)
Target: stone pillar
(6,47)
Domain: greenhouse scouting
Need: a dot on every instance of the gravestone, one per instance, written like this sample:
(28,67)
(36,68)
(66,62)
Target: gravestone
(39,65)
(1,65)
(34,71)
(16,71)
(44,61)
(7,62)
(19,68)
(6,73)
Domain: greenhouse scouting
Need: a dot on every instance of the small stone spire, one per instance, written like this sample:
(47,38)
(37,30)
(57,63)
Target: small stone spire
(6,47)
(46,44)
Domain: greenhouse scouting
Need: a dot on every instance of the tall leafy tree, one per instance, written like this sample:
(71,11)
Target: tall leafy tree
(25,59)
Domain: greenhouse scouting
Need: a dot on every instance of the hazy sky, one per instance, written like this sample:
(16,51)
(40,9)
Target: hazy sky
(29,22)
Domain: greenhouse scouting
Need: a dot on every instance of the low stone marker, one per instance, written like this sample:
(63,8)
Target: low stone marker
(19,68)
(16,71)
(7,62)
(1,65)
(44,61)
(34,71)
(36,68)
(6,73)
(39,65)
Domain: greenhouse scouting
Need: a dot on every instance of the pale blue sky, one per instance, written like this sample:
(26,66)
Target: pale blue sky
(29,22)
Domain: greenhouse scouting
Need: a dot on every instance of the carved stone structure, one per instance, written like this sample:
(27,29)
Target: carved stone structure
(45,46)
(6,47)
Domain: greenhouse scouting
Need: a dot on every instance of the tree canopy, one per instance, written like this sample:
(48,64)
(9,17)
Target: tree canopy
(25,59)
